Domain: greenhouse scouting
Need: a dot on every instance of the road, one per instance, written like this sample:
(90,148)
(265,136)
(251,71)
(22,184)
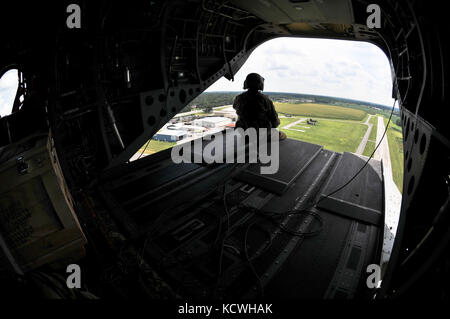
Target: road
(382,152)
(392,196)
(365,138)
(362,144)
(288,126)
(187,113)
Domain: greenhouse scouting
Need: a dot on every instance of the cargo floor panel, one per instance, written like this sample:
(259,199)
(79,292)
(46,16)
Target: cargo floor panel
(362,199)
(313,261)
(294,157)
(203,228)
(317,267)
(310,268)
(302,188)
(160,177)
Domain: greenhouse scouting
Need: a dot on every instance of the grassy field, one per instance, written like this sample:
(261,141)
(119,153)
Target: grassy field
(342,135)
(373,133)
(221,108)
(395,140)
(155,147)
(371,142)
(333,135)
(321,110)
(370,147)
(287,120)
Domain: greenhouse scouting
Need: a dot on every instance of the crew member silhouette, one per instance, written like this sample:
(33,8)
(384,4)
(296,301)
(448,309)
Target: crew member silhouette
(255,109)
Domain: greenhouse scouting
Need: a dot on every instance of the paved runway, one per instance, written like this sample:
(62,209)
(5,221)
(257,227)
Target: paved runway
(364,140)
(393,197)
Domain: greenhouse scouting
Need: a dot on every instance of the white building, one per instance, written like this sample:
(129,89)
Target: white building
(229,112)
(170,135)
(186,127)
(212,122)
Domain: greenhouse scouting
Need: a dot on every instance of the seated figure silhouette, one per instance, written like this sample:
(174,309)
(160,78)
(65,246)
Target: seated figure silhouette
(255,109)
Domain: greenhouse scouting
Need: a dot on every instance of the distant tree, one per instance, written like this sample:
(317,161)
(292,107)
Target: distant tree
(208,109)
(398,122)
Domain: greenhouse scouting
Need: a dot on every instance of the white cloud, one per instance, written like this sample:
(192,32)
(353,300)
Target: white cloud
(348,69)
(8,89)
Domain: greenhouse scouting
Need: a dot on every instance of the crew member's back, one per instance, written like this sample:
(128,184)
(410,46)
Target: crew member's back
(255,109)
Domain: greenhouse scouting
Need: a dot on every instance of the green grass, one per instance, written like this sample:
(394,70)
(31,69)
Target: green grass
(395,140)
(373,133)
(321,110)
(370,147)
(221,107)
(156,146)
(333,135)
(371,142)
(287,120)
(204,114)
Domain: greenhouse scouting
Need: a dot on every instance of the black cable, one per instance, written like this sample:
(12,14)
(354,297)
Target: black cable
(302,233)
(226,233)
(308,209)
(272,217)
(376,148)
(266,247)
(249,261)
(153,232)
(224,196)
(365,164)
(146,145)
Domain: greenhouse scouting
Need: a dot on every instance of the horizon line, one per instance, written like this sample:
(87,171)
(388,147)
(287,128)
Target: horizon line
(344,98)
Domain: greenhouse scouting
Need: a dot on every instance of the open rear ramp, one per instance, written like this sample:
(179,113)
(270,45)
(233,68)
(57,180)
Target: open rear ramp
(212,235)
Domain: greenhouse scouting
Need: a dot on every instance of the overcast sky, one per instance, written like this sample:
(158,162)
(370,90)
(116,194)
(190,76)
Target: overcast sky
(348,69)
(8,88)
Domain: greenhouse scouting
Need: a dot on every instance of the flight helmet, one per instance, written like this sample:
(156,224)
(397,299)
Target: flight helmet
(254,81)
